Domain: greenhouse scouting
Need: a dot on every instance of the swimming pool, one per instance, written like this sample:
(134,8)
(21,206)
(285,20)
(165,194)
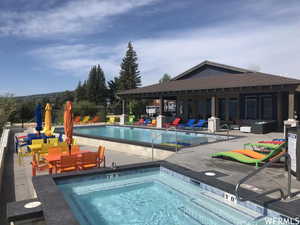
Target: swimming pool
(154,196)
(146,135)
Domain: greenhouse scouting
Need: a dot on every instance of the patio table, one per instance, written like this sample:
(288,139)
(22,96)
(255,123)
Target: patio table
(53,159)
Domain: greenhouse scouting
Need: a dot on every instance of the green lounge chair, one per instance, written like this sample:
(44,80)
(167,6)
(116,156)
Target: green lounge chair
(264,145)
(130,119)
(245,159)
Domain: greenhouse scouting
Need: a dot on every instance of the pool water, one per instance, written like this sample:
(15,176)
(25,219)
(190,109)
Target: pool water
(146,135)
(149,198)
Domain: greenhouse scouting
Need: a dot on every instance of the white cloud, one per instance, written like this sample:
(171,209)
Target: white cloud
(271,44)
(272,48)
(78,16)
(77,59)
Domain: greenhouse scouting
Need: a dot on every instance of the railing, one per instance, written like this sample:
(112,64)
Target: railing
(282,196)
(157,136)
(227,127)
(3,146)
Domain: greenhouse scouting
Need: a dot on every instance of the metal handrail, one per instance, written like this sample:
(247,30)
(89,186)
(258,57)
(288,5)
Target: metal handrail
(282,196)
(227,130)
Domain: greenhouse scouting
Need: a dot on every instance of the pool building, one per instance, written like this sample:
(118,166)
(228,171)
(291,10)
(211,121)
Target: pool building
(232,94)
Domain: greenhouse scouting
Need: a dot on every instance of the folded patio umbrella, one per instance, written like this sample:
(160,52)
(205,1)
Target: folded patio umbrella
(48,119)
(68,124)
(38,118)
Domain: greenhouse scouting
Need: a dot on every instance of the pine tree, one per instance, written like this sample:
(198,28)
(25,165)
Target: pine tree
(129,75)
(113,86)
(80,92)
(96,86)
(165,78)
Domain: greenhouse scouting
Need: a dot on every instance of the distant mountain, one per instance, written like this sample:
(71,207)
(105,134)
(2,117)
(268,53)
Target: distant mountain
(51,96)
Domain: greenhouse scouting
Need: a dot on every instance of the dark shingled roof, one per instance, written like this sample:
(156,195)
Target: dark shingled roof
(219,65)
(248,79)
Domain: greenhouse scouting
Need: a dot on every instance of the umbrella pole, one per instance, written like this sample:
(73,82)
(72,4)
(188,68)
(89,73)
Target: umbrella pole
(70,147)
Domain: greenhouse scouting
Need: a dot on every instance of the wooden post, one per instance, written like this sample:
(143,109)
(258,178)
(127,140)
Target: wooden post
(161,106)
(123,106)
(213,106)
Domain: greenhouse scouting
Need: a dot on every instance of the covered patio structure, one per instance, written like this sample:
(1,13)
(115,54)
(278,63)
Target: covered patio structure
(234,95)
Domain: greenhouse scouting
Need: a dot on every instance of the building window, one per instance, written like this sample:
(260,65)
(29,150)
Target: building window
(266,107)
(232,109)
(208,108)
(202,109)
(222,108)
(251,107)
(190,108)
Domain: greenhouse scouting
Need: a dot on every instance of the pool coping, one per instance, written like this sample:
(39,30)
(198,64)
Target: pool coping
(144,144)
(56,209)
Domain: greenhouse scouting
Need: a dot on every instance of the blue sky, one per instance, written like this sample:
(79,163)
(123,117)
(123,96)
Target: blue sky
(48,46)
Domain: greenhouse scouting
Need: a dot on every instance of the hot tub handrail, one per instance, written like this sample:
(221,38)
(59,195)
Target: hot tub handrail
(282,196)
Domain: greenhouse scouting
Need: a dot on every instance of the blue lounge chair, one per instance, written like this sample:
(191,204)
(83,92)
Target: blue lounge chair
(147,121)
(19,143)
(200,124)
(189,123)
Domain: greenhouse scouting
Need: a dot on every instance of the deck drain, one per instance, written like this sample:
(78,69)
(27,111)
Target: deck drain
(31,205)
(210,174)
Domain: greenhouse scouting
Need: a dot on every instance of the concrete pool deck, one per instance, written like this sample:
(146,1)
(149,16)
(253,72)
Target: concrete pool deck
(18,185)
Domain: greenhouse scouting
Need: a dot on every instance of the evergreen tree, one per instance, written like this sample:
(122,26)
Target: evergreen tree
(165,78)
(129,75)
(80,92)
(113,86)
(96,86)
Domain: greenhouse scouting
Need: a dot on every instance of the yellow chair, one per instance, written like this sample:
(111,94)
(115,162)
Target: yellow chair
(85,119)
(43,151)
(111,120)
(36,145)
(52,141)
(22,153)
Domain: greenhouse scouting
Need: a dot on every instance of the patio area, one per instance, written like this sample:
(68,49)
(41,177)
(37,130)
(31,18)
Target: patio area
(18,179)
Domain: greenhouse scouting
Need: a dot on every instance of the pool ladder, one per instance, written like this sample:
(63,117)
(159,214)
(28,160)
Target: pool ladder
(282,196)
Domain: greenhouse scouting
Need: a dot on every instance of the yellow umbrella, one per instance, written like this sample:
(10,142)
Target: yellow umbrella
(48,119)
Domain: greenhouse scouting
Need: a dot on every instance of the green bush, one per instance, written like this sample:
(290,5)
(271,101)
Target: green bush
(7,106)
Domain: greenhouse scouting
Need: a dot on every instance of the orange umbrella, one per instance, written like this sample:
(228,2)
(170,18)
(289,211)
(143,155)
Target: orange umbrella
(68,124)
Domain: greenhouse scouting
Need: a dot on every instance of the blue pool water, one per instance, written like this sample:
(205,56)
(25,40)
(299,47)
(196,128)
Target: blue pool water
(151,197)
(146,135)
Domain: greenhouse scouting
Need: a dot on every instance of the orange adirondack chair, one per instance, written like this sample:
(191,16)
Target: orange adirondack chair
(53,151)
(67,163)
(75,149)
(152,124)
(95,119)
(88,160)
(77,119)
(174,123)
(140,122)
(35,166)
(101,156)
